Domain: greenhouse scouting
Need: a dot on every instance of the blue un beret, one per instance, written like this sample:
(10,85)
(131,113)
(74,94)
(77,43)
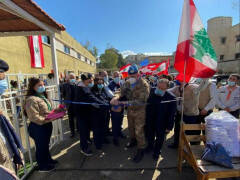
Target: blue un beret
(133,69)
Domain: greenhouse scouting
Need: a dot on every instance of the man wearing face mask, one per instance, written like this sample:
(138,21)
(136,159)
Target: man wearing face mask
(136,92)
(117,113)
(160,113)
(114,85)
(67,93)
(229,96)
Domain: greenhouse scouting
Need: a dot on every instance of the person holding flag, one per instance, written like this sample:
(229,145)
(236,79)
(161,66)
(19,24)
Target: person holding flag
(195,57)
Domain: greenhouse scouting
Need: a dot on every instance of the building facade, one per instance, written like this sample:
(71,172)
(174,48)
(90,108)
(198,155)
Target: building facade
(71,55)
(135,59)
(226,41)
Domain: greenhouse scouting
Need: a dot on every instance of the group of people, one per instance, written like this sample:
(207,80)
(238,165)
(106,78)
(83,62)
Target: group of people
(153,106)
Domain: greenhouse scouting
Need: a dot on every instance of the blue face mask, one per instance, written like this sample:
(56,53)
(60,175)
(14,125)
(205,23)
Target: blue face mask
(100,86)
(72,80)
(90,85)
(3,86)
(106,79)
(41,89)
(116,80)
(231,83)
(159,92)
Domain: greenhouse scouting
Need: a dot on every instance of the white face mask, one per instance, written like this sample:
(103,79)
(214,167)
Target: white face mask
(132,80)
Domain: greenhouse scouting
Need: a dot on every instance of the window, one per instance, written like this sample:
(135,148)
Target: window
(78,55)
(46,39)
(223,40)
(238,38)
(66,49)
(222,57)
(82,58)
(86,60)
(237,56)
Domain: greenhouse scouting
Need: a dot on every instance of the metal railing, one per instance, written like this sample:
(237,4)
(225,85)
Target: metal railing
(12,103)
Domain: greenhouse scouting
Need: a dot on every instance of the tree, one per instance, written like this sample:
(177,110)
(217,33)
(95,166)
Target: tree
(109,59)
(93,50)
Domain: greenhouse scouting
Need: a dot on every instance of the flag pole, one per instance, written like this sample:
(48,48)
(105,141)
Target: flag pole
(180,144)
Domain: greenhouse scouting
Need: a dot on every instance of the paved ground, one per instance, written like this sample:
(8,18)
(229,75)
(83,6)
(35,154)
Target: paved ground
(113,164)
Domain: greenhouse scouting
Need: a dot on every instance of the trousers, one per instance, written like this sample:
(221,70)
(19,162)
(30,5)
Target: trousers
(136,123)
(41,135)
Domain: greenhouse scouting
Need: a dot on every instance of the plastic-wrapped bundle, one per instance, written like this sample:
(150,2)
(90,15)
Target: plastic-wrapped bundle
(223,128)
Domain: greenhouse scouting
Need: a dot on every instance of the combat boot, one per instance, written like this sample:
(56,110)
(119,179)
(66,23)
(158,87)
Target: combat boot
(139,156)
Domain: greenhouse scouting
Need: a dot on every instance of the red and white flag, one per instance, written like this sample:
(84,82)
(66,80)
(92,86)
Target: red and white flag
(36,51)
(194,52)
(124,70)
(155,68)
(162,68)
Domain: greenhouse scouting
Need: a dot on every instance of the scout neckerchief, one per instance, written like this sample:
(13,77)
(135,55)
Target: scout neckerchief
(230,90)
(45,100)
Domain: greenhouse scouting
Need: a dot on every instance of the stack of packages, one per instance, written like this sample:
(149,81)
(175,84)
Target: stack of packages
(223,128)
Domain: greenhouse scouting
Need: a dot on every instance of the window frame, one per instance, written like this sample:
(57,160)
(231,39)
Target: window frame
(223,40)
(66,47)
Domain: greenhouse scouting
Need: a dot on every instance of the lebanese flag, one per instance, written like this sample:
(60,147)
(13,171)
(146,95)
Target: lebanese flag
(36,51)
(161,69)
(148,70)
(124,70)
(194,47)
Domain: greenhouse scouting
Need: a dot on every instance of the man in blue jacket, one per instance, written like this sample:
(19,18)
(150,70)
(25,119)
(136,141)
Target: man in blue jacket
(160,113)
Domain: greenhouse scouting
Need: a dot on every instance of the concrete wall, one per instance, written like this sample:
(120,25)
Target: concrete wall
(15,50)
(218,28)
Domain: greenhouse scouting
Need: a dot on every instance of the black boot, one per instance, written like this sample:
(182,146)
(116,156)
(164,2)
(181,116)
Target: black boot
(139,155)
(132,143)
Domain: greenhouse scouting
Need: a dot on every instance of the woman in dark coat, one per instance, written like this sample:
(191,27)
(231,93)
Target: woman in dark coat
(84,111)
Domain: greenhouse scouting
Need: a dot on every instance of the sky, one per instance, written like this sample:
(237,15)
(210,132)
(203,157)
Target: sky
(132,26)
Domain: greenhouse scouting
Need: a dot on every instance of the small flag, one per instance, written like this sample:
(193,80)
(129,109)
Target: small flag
(194,50)
(155,68)
(36,51)
(161,69)
(124,70)
(145,62)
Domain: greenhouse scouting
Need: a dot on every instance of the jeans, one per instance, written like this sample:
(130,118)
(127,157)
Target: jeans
(117,119)
(41,135)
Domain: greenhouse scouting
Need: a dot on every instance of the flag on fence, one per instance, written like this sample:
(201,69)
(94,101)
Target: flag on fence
(36,51)
(124,70)
(194,49)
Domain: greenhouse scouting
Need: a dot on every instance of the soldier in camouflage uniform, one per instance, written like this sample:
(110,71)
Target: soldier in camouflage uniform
(135,91)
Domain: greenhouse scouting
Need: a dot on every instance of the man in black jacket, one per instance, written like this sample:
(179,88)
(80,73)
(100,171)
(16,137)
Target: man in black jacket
(67,93)
(160,113)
